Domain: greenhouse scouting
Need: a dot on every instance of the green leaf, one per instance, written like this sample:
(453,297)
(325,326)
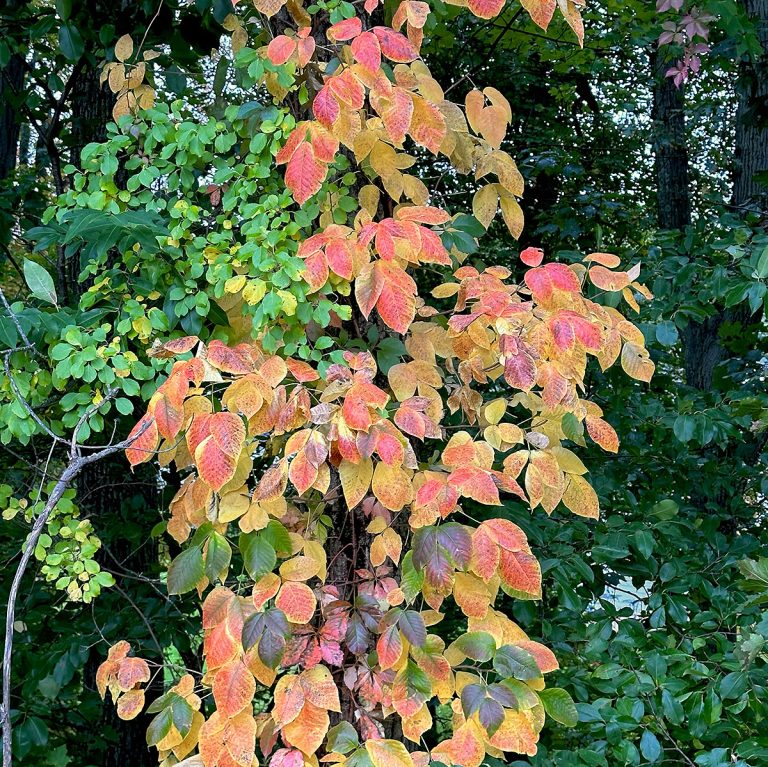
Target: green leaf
(64,9)
(159,727)
(559,705)
(762,264)
(70,42)
(512,661)
(342,738)
(478,645)
(259,557)
(666,333)
(277,536)
(36,730)
(650,747)
(733,685)
(643,542)
(186,571)
(39,282)
(217,557)
(684,427)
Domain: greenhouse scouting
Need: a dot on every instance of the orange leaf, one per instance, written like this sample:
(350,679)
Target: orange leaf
(603,433)
(392,486)
(228,430)
(215,466)
(427,125)
(228,742)
(540,11)
(520,571)
(345,30)
(233,688)
(145,440)
(297,601)
(265,589)
(307,731)
(389,647)
(237,360)
(130,704)
(320,689)
(289,700)
(397,300)
(605,279)
(485,9)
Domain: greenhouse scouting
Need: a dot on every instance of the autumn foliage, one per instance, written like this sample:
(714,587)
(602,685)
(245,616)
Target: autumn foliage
(354,536)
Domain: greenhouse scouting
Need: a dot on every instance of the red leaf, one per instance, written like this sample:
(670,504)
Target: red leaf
(345,30)
(215,466)
(325,107)
(367,51)
(281,49)
(485,9)
(304,175)
(394,46)
(532,256)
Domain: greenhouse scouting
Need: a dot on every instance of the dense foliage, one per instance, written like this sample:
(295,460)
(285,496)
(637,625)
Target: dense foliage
(344,355)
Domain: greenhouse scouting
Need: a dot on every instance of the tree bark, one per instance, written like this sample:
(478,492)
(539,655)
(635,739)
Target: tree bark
(750,190)
(670,148)
(91,111)
(11,83)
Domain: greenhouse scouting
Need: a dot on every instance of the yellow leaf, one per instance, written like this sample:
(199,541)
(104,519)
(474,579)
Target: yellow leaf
(580,497)
(637,362)
(446,290)
(513,215)
(235,284)
(314,550)
(494,411)
(485,203)
(355,480)
(392,486)
(388,753)
(124,48)
(369,198)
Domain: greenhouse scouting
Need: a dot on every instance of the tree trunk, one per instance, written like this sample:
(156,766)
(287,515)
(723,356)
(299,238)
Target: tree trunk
(669,145)
(91,111)
(11,83)
(750,185)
